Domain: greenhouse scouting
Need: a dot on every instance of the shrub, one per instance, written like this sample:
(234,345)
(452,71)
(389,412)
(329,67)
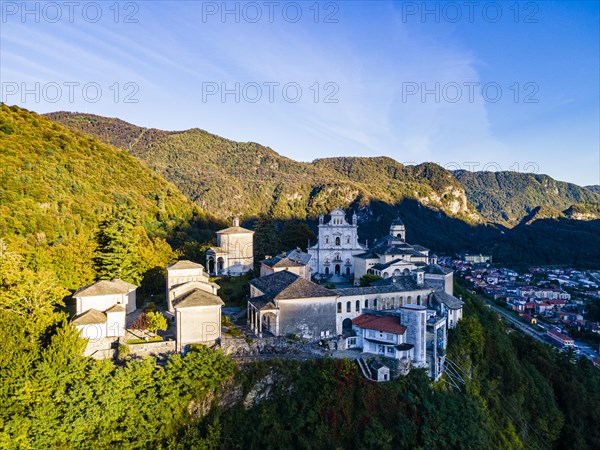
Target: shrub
(122,351)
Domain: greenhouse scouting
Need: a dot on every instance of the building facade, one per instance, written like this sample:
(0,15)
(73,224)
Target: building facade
(192,299)
(391,255)
(283,303)
(234,253)
(337,243)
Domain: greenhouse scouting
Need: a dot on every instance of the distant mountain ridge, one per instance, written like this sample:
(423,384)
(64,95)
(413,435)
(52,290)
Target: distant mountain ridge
(509,197)
(594,188)
(209,169)
(515,216)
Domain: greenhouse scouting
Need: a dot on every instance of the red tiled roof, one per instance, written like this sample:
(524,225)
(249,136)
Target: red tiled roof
(388,324)
(559,335)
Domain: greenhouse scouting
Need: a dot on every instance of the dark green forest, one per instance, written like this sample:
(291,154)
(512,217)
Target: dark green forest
(517,394)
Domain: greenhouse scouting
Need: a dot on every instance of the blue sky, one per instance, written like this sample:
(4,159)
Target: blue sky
(511,86)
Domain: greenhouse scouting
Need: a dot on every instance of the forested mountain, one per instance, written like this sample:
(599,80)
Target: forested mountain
(63,194)
(57,187)
(594,188)
(449,212)
(227,177)
(508,197)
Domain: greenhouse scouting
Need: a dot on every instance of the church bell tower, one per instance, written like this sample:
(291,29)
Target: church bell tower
(398,230)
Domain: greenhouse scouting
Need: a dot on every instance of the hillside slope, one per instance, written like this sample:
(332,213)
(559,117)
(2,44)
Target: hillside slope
(57,185)
(226,177)
(508,197)
(229,177)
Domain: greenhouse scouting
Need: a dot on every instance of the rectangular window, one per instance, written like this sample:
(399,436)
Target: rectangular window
(390,349)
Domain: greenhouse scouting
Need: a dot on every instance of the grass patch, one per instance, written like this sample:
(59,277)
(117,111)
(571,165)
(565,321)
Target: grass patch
(234,291)
(144,341)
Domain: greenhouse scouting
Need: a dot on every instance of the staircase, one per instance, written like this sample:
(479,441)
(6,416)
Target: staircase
(364,368)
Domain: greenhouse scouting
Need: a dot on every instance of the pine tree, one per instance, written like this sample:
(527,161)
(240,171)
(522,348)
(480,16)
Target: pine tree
(117,255)
(266,239)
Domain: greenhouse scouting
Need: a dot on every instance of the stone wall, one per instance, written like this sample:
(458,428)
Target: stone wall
(238,347)
(152,348)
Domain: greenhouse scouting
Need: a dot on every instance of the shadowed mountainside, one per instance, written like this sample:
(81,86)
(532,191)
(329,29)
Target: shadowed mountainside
(225,177)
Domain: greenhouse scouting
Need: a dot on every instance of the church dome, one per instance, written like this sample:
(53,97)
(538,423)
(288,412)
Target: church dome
(398,221)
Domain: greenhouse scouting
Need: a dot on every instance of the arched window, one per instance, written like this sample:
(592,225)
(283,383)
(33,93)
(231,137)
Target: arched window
(366,303)
(326,270)
(337,241)
(400,301)
(357,307)
(409,300)
(347,239)
(418,299)
(339,307)
(327,239)
(375,304)
(348,307)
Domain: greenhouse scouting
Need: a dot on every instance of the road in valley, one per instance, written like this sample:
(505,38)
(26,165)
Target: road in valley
(586,349)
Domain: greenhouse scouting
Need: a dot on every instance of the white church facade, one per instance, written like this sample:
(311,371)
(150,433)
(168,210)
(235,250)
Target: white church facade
(234,253)
(337,243)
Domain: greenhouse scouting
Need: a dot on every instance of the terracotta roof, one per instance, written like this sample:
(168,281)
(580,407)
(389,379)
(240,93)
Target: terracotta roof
(90,317)
(104,287)
(387,324)
(286,285)
(197,297)
(235,230)
(185,264)
(559,335)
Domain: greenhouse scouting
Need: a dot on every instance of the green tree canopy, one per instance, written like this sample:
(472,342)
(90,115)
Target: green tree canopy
(117,254)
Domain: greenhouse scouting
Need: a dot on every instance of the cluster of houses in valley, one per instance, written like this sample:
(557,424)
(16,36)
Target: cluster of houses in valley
(397,322)
(552,296)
